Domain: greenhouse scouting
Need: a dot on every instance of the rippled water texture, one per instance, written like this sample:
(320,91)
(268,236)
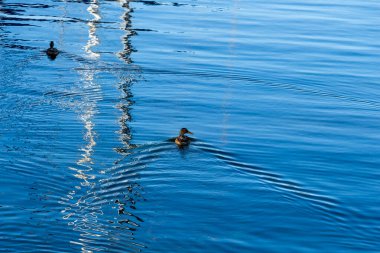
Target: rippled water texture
(283,98)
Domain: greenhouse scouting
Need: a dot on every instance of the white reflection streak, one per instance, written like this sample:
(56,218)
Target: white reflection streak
(93,9)
(84,216)
(89,84)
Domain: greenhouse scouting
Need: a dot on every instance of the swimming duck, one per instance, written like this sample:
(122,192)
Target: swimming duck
(52,52)
(182,139)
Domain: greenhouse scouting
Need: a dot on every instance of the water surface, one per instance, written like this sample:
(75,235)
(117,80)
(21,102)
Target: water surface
(282,96)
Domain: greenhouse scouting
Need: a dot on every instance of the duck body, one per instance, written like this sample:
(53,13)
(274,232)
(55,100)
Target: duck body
(182,139)
(52,52)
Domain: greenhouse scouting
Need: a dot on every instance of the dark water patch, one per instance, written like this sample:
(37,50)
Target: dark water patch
(25,5)
(143,30)
(62,94)
(39,18)
(17,8)
(154,3)
(14,24)
(178,4)
(75,1)
(9,11)
(32,18)
(145,2)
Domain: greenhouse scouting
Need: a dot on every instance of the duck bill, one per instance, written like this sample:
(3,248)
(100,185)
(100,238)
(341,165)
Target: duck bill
(189,132)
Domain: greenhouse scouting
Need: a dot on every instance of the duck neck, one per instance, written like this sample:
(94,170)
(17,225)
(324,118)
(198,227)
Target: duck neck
(183,137)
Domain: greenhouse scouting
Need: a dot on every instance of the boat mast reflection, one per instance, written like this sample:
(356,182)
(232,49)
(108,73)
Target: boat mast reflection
(126,83)
(102,206)
(128,203)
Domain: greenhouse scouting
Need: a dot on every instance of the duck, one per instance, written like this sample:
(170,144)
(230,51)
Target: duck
(52,52)
(182,139)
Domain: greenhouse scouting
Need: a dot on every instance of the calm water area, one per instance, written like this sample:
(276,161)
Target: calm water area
(282,96)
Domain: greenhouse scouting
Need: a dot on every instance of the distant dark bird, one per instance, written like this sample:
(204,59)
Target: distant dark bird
(182,139)
(52,52)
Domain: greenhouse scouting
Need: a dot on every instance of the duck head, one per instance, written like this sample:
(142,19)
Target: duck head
(184,131)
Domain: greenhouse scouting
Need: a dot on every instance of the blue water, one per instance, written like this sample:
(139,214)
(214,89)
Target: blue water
(282,97)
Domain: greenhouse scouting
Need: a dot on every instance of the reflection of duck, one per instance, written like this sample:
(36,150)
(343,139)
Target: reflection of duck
(52,52)
(182,139)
